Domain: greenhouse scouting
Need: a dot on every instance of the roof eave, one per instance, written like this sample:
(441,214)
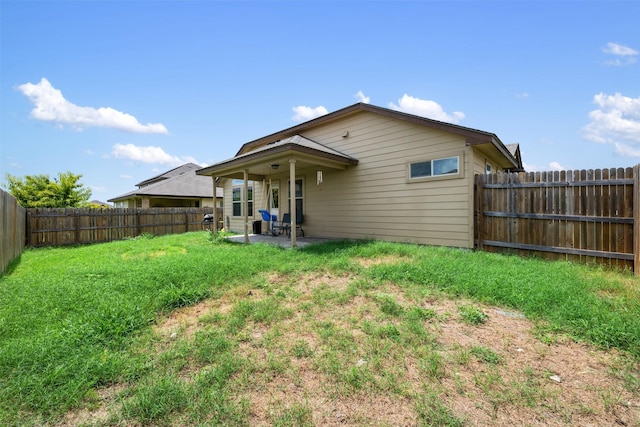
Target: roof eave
(472,136)
(495,141)
(260,156)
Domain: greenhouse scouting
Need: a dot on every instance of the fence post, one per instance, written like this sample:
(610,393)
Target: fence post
(28,229)
(76,220)
(636,219)
(480,180)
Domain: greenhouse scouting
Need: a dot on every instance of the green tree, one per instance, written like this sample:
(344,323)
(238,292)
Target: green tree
(39,191)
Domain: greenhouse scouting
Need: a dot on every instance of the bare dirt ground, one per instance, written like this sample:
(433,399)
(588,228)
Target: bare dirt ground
(538,382)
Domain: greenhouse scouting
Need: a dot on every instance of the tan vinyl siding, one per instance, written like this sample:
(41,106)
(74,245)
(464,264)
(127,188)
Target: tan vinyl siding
(480,162)
(236,224)
(374,199)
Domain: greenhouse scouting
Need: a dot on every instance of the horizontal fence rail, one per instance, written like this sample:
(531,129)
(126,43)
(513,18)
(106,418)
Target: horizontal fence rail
(71,226)
(12,229)
(584,216)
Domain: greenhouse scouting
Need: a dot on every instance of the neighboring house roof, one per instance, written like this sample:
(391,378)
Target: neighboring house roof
(169,184)
(472,136)
(169,174)
(514,149)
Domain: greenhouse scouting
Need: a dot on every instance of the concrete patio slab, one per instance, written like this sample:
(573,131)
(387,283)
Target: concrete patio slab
(282,240)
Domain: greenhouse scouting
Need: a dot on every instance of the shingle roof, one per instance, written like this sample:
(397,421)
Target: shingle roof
(170,174)
(299,141)
(473,136)
(185,184)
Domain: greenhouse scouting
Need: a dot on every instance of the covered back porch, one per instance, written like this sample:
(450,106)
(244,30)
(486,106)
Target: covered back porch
(266,167)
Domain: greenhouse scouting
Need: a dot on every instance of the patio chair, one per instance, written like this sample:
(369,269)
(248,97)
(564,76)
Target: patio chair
(286,223)
(279,227)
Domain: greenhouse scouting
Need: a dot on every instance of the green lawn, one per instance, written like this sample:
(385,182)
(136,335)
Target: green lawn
(79,323)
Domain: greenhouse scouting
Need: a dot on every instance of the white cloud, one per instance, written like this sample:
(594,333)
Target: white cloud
(626,150)
(553,166)
(625,55)
(522,95)
(362,98)
(618,49)
(51,106)
(425,108)
(148,154)
(126,176)
(304,113)
(615,122)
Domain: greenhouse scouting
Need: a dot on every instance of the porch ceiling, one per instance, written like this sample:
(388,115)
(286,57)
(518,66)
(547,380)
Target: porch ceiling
(261,162)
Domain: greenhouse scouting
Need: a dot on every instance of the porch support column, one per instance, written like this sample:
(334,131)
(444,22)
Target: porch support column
(292,192)
(215,206)
(245,205)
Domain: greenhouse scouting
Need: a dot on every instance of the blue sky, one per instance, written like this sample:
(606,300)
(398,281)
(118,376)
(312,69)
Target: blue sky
(120,91)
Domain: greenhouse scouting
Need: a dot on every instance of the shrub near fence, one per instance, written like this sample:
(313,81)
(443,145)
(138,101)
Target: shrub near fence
(12,229)
(584,216)
(58,227)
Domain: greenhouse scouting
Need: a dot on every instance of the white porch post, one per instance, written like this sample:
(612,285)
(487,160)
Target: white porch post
(292,192)
(245,205)
(215,206)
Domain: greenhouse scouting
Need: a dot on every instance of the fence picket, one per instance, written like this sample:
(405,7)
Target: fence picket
(582,215)
(59,227)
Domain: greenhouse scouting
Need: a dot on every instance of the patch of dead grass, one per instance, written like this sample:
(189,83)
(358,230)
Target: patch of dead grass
(384,260)
(517,391)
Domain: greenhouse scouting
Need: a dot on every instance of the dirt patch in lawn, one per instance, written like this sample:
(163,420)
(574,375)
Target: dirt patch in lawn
(340,359)
(384,260)
(495,373)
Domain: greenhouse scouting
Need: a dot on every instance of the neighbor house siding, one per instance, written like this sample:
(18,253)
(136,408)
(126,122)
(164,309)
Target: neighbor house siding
(374,199)
(167,202)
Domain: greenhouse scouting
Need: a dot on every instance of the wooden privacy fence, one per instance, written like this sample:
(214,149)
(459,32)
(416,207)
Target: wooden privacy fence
(57,227)
(12,229)
(584,216)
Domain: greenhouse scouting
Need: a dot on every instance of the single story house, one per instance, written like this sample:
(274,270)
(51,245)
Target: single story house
(176,188)
(364,172)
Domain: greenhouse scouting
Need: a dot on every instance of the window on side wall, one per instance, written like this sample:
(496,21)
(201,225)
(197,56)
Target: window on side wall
(299,197)
(433,168)
(237,198)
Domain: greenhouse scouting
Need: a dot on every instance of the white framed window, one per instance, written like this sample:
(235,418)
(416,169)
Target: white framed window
(433,168)
(299,196)
(237,198)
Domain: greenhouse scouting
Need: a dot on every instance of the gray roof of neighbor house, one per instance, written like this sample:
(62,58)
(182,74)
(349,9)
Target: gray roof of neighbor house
(514,149)
(181,182)
(169,174)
